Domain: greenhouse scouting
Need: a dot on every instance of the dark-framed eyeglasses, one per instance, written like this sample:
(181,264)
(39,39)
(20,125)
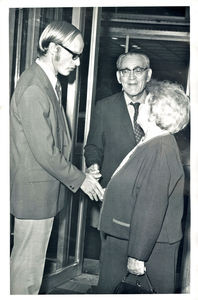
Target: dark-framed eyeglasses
(74,55)
(137,71)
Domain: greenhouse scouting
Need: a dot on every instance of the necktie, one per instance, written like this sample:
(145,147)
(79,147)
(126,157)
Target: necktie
(59,91)
(139,133)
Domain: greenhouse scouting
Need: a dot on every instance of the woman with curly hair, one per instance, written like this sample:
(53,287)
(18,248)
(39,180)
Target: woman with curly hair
(143,202)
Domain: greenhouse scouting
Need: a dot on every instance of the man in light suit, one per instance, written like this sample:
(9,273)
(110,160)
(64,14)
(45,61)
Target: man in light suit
(112,129)
(40,146)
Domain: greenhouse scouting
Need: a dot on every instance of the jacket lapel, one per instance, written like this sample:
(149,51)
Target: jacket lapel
(57,108)
(61,115)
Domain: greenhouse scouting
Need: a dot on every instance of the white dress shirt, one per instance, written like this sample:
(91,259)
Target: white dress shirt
(130,107)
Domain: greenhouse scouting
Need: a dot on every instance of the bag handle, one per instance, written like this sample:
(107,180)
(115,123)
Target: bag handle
(149,282)
(146,276)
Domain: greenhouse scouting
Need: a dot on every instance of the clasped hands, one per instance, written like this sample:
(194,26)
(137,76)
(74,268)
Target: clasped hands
(136,267)
(90,185)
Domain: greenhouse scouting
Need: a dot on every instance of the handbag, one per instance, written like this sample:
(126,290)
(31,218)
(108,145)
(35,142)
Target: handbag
(133,284)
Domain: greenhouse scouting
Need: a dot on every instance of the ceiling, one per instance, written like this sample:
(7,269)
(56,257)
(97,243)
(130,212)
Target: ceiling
(163,35)
(157,50)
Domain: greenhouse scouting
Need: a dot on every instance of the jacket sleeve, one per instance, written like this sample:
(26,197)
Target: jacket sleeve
(151,204)
(95,142)
(34,111)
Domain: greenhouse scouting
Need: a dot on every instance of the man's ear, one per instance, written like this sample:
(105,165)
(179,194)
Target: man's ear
(149,74)
(118,76)
(52,48)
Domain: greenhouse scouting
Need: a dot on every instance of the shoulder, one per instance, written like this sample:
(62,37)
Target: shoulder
(31,87)
(169,145)
(33,77)
(163,141)
(111,100)
(33,74)
(165,149)
(161,146)
(173,155)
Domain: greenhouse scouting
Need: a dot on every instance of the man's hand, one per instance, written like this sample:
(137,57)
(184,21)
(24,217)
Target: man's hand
(94,171)
(92,188)
(135,266)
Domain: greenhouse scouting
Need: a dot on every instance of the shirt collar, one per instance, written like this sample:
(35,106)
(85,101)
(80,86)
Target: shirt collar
(127,99)
(52,78)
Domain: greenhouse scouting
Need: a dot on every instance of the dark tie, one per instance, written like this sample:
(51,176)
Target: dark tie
(139,133)
(59,91)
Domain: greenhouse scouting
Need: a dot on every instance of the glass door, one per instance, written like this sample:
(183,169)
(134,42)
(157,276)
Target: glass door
(65,251)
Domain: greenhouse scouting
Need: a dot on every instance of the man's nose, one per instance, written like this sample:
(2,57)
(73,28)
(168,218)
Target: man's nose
(132,74)
(77,61)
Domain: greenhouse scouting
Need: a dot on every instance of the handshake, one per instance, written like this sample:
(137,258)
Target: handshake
(90,185)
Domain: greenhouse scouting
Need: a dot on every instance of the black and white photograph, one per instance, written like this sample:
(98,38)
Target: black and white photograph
(99,171)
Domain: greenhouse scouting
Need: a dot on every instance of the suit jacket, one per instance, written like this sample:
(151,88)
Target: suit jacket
(111,135)
(143,202)
(40,148)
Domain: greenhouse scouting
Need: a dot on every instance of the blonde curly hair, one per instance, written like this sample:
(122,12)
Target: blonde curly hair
(169,105)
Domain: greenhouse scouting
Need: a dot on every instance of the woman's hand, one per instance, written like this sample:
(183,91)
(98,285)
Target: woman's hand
(135,266)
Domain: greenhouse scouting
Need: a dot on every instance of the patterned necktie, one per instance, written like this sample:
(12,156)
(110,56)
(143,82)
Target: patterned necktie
(139,133)
(59,91)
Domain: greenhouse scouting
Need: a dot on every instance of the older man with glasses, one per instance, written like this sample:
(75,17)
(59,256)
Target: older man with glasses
(40,147)
(114,130)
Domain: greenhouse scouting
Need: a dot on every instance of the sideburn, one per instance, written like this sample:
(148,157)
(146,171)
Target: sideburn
(57,57)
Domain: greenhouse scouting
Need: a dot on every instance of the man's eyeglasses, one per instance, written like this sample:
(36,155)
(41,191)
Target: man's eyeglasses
(74,55)
(138,71)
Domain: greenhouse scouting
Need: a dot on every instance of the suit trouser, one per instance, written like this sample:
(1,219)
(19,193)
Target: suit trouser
(161,266)
(31,238)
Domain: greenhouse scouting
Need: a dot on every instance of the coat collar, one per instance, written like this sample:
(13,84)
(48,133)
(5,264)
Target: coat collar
(46,84)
